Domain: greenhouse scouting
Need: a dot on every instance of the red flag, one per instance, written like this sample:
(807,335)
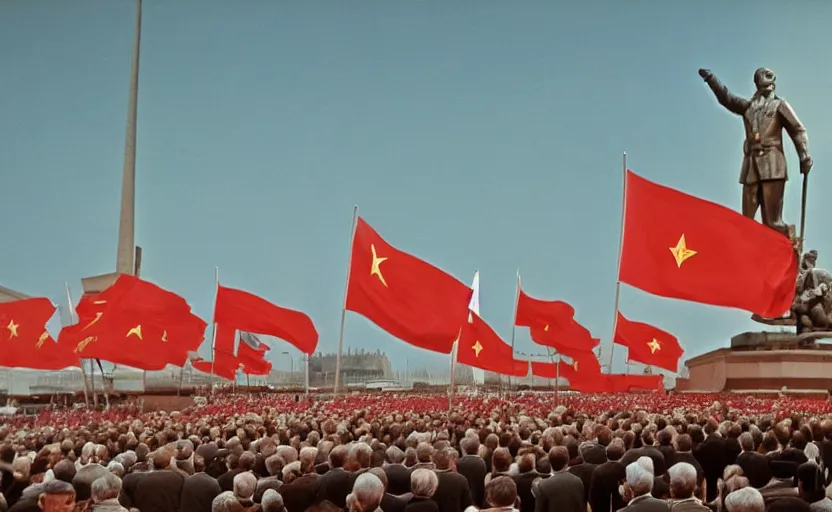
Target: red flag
(647,344)
(248,312)
(552,323)
(407,297)
(24,341)
(225,364)
(134,323)
(545,370)
(682,247)
(481,347)
(583,368)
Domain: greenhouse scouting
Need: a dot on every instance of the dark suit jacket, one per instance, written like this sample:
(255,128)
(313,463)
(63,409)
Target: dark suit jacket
(711,456)
(603,491)
(421,505)
(646,503)
(584,471)
(473,468)
(561,492)
(659,464)
(226,480)
(159,491)
(732,450)
(300,494)
(452,494)
(524,490)
(128,489)
(398,479)
(334,487)
(390,503)
(198,492)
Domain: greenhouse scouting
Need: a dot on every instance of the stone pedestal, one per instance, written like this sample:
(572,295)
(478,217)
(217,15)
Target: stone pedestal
(762,362)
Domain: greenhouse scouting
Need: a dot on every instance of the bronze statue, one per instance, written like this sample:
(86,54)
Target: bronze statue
(812,307)
(763,173)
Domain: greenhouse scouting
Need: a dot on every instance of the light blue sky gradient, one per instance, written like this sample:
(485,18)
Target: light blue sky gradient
(475,134)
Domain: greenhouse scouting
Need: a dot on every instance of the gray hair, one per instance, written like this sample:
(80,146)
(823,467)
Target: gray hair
(106,487)
(394,455)
(747,499)
(244,485)
(682,480)
(423,483)
(639,477)
(746,442)
(272,501)
(367,493)
(224,502)
(116,468)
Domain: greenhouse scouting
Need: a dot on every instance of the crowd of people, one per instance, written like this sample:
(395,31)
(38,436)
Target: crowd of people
(415,453)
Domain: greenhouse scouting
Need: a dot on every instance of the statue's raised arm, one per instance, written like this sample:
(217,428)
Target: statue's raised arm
(726,98)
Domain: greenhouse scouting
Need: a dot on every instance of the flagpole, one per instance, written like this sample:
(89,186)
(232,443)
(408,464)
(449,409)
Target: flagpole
(214,329)
(514,320)
(453,371)
(306,376)
(81,361)
(618,264)
(344,308)
(557,382)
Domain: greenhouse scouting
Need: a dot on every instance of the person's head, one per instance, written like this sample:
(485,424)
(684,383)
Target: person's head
(367,493)
(558,458)
(307,458)
(615,450)
(423,483)
(338,456)
(526,463)
(105,488)
(245,484)
(444,459)
(747,499)
(746,441)
(810,481)
(765,81)
(394,455)
(501,492)
(381,475)
(57,496)
(64,470)
(424,452)
(272,501)
(469,445)
(639,478)
(226,502)
(789,504)
(684,443)
(501,460)
(682,480)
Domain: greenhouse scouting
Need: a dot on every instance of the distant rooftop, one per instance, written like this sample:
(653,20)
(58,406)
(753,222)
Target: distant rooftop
(8,295)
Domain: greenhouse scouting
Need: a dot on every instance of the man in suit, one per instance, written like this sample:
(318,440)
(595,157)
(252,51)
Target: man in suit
(561,492)
(638,487)
(754,465)
(711,456)
(398,475)
(335,484)
(525,477)
(473,468)
(452,494)
(607,477)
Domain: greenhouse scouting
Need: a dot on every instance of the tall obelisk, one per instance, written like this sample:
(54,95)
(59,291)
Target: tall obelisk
(126,227)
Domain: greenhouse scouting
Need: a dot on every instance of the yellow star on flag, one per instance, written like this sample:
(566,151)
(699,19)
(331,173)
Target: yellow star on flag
(575,365)
(654,346)
(43,337)
(12,327)
(375,270)
(477,348)
(164,336)
(137,331)
(546,328)
(681,251)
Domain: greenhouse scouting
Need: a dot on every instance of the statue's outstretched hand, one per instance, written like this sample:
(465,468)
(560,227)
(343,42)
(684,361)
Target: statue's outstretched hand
(705,73)
(806,164)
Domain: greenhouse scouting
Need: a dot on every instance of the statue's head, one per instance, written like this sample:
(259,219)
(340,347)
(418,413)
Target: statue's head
(809,260)
(765,79)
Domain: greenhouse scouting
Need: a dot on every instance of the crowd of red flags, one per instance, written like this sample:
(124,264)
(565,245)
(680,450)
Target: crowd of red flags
(674,245)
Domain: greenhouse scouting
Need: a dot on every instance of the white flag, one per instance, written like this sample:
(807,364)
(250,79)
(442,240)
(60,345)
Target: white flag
(474,305)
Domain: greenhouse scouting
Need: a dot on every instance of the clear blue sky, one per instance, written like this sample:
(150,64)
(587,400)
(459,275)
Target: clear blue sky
(475,134)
